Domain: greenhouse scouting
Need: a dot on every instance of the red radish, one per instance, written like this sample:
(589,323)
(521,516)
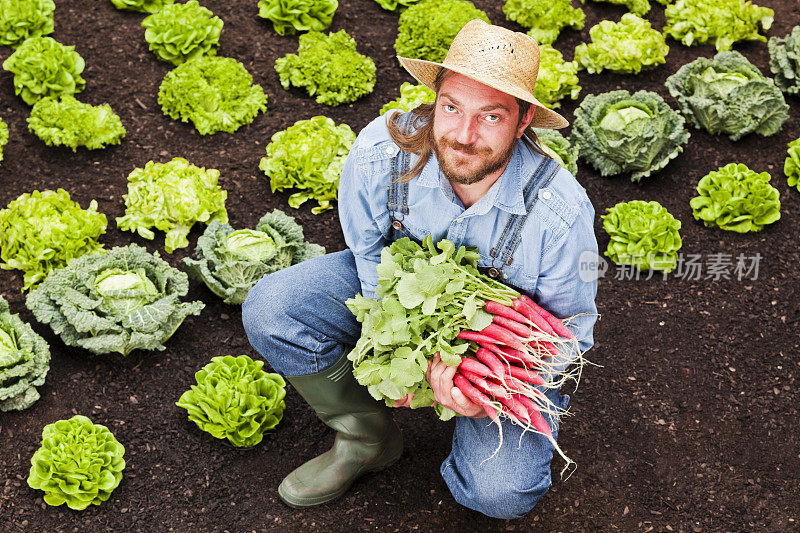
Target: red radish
(541,425)
(515,356)
(523,374)
(471,365)
(489,359)
(476,396)
(486,386)
(520,305)
(493,363)
(505,311)
(481,339)
(512,325)
(502,335)
(556,324)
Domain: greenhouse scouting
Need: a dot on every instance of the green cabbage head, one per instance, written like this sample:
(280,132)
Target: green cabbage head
(428,28)
(621,132)
(230,262)
(736,198)
(559,148)
(235,399)
(44,67)
(328,67)
(727,94)
(410,97)
(142,6)
(79,463)
(24,361)
(791,167)
(123,300)
(643,234)
(784,61)
(180,32)
(20,19)
(290,16)
(623,47)
(64,121)
(545,18)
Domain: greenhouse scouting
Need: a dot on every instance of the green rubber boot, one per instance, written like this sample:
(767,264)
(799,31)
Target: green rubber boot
(367,437)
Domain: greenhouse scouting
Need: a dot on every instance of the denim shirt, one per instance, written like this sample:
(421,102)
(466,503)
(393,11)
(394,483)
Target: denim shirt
(559,228)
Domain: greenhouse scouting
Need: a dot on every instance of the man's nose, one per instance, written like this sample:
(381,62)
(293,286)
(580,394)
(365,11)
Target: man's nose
(465,134)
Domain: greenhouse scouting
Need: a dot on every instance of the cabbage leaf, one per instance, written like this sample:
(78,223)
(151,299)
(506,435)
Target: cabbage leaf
(560,148)
(24,361)
(784,61)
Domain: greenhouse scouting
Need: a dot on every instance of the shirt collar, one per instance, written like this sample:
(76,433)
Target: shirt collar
(506,193)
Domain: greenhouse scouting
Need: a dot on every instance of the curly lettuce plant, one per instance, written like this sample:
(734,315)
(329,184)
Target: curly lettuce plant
(180,32)
(556,78)
(21,19)
(784,61)
(410,97)
(328,67)
(171,197)
(44,230)
(3,137)
(736,198)
(559,148)
(791,167)
(637,7)
(79,463)
(44,67)
(727,94)
(545,18)
(215,93)
(623,47)
(621,132)
(722,22)
(309,156)
(428,28)
(142,6)
(64,121)
(235,399)
(230,262)
(24,361)
(120,301)
(291,16)
(643,234)
(395,5)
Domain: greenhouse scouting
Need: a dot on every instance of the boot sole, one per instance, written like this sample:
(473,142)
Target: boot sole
(340,493)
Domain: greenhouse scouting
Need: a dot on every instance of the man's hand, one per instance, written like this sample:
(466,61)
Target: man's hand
(440,376)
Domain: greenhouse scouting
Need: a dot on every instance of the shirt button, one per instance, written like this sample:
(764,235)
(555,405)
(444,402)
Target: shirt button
(390,149)
(546,194)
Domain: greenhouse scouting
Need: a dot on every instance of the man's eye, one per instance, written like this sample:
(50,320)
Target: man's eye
(493,118)
(449,108)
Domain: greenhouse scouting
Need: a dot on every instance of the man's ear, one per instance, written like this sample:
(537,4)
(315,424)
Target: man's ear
(526,120)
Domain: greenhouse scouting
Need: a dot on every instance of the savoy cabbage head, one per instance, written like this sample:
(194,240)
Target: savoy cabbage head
(727,94)
(784,61)
(20,19)
(621,132)
(123,300)
(560,148)
(24,361)
(64,121)
(230,262)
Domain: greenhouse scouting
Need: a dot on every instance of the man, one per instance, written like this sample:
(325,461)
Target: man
(464,168)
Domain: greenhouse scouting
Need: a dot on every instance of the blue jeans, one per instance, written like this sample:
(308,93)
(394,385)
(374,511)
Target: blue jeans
(297,320)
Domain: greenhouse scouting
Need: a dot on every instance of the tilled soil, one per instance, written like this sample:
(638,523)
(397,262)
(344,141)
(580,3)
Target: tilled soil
(689,423)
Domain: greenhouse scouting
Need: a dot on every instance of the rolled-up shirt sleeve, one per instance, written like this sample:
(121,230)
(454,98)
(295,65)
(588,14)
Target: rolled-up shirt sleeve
(361,232)
(567,284)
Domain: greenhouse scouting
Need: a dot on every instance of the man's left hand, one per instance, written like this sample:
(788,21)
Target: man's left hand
(440,377)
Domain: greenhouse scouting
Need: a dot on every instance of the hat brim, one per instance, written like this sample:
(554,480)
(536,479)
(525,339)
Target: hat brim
(425,72)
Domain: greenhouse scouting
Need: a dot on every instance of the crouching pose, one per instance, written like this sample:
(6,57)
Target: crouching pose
(466,168)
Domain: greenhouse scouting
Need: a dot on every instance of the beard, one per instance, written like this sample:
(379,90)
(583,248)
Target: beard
(458,168)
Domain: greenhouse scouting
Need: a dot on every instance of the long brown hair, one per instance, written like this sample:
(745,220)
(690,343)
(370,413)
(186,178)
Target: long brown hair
(420,140)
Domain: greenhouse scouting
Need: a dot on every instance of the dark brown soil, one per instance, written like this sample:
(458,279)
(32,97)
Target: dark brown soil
(690,424)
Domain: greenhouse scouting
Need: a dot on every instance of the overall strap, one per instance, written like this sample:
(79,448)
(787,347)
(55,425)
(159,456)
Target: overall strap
(398,189)
(502,253)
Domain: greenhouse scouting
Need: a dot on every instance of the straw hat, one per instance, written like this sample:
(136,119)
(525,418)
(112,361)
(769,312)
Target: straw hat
(503,59)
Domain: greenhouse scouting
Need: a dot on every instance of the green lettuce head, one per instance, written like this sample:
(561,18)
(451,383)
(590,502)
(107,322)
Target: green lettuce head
(328,67)
(64,121)
(308,155)
(24,361)
(3,137)
(290,16)
(427,29)
(728,95)
(623,47)
(643,234)
(791,167)
(736,199)
(395,5)
(722,22)
(621,132)
(230,262)
(545,18)
(235,399)
(79,463)
(142,6)
(21,19)
(410,97)
(556,78)
(180,32)
(214,93)
(123,300)
(784,61)
(44,67)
